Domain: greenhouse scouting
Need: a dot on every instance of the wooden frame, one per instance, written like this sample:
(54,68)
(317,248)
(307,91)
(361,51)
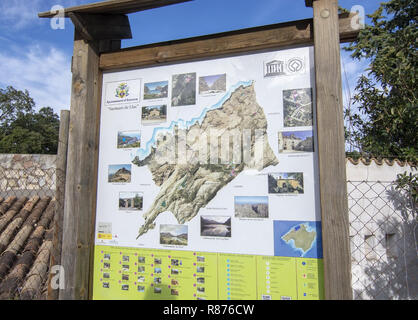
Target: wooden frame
(95,53)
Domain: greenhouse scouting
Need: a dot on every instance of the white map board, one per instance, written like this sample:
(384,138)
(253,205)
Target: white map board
(254,208)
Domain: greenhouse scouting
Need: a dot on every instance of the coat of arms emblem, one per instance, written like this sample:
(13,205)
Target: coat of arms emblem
(122,91)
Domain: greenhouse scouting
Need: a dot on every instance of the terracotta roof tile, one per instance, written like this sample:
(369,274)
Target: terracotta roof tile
(25,245)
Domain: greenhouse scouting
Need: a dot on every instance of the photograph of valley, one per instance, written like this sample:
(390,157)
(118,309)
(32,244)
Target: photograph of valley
(212,84)
(251,207)
(119,173)
(215,226)
(173,234)
(156,90)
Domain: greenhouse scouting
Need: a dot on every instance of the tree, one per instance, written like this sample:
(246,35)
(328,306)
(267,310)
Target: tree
(387,118)
(22,130)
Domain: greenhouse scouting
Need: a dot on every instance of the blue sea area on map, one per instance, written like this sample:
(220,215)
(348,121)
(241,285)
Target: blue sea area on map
(288,249)
(142,153)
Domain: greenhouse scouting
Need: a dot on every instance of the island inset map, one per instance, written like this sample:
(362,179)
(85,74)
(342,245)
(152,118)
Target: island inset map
(187,185)
(297,239)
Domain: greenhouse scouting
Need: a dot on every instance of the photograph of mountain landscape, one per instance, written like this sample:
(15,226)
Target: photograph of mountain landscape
(120,173)
(156,90)
(154,114)
(184,90)
(297,107)
(251,207)
(174,234)
(215,226)
(129,139)
(296,141)
(212,84)
(130,200)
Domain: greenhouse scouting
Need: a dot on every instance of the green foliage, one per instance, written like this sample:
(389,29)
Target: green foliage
(408,183)
(22,130)
(387,121)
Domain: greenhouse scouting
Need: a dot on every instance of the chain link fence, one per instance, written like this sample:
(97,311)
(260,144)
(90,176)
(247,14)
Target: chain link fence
(383,230)
(28,204)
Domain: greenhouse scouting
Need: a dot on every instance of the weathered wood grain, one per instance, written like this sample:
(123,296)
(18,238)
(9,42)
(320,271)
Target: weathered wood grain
(114,7)
(273,36)
(331,149)
(80,193)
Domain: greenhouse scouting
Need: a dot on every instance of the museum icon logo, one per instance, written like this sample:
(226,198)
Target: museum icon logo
(274,68)
(286,67)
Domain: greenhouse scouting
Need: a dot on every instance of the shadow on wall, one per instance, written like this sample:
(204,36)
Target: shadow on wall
(392,273)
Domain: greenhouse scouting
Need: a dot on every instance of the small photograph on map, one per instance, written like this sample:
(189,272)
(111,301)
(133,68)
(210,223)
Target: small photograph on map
(106,256)
(200,259)
(106,275)
(174,282)
(141,279)
(200,289)
(215,226)
(141,269)
(156,90)
(184,90)
(157,260)
(131,201)
(157,270)
(125,258)
(129,139)
(125,277)
(120,173)
(175,262)
(141,259)
(157,280)
(154,114)
(125,287)
(174,271)
(200,280)
(174,234)
(297,107)
(141,288)
(296,141)
(106,265)
(200,269)
(285,183)
(212,84)
(125,267)
(106,285)
(251,207)
(174,292)
(157,290)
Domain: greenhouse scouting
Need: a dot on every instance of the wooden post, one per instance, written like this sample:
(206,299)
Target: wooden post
(331,148)
(80,190)
(61,168)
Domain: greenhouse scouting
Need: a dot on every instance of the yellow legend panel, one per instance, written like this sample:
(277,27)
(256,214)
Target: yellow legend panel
(149,274)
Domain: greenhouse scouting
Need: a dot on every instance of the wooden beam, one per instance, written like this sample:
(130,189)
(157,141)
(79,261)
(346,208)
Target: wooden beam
(101,27)
(114,7)
(273,36)
(331,150)
(61,168)
(80,190)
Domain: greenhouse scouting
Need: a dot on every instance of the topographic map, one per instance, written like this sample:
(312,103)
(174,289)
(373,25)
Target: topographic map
(187,186)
